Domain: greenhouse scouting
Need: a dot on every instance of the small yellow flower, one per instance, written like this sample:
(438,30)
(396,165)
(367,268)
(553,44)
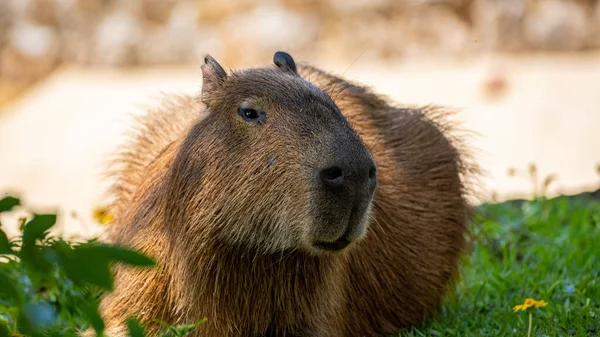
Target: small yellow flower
(530,303)
(14,334)
(103,215)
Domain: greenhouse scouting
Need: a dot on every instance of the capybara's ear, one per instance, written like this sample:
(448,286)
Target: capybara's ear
(213,77)
(285,62)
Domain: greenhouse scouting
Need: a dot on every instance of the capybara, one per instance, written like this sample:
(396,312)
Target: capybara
(286,201)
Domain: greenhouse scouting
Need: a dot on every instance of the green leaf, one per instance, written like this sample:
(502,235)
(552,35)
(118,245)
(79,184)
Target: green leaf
(37,226)
(5,246)
(93,316)
(180,330)
(8,289)
(186,329)
(3,330)
(7,203)
(125,255)
(135,329)
(31,254)
(88,265)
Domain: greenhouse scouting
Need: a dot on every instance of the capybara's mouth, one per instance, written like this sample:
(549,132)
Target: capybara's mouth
(338,245)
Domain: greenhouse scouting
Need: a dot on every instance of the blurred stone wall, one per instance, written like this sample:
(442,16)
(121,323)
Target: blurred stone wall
(37,35)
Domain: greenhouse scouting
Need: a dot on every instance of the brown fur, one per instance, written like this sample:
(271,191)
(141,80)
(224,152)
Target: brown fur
(257,286)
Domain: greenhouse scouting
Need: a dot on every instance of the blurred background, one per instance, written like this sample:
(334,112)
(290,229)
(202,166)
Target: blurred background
(523,74)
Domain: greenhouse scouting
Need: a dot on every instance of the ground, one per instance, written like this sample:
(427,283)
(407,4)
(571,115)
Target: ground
(541,249)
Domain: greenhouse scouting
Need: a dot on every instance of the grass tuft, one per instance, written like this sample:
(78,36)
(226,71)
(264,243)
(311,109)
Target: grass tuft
(543,249)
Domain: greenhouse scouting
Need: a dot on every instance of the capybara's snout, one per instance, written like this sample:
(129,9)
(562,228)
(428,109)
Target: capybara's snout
(345,183)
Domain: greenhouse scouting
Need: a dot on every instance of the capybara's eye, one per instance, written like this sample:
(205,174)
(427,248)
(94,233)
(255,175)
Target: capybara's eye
(251,115)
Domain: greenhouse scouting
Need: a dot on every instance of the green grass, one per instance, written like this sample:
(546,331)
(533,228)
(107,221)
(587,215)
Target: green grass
(545,249)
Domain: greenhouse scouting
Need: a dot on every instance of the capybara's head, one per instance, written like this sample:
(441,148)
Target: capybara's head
(274,164)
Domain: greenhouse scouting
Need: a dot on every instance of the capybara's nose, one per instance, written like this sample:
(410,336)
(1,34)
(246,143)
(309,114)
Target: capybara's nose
(332,177)
(349,175)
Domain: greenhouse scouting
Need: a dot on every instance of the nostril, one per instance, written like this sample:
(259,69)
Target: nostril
(332,176)
(373,172)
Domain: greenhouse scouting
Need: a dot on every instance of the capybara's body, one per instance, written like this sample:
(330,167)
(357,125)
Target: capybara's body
(270,214)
